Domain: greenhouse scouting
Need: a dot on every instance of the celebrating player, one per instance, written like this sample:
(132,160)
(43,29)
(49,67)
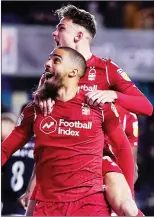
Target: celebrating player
(77,29)
(69,142)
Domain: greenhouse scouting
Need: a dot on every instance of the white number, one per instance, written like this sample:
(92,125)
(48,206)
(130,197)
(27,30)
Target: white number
(17,181)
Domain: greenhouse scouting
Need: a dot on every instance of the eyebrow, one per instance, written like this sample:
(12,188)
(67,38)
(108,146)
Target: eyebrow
(55,55)
(59,25)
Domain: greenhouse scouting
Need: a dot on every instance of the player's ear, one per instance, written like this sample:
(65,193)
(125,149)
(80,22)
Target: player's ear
(73,73)
(78,37)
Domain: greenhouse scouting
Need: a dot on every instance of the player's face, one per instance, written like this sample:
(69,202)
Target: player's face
(65,33)
(57,66)
(57,70)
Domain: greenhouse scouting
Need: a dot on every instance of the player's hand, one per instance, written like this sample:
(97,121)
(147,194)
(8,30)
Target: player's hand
(99,97)
(24,199)
(45,105)
(129,208)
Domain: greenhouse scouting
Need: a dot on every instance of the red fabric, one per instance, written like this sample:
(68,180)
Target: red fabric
(104,75)
(129,96)
(124,155)
(120,143)
(69,146)
(136,104)
(20,135)
(12,143)
(71,141)
(109,166)
(87,167)
(89,206)
(129,123)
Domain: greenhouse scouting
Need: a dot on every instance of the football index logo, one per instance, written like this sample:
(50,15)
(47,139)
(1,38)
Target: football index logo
(48,125)
(69,128)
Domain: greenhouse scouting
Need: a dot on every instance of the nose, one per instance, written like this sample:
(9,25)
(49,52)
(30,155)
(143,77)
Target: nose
(48,64)
(55,33)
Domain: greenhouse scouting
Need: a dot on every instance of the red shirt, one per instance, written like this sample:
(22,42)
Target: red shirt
(103,74)
(129,124)
(68,147)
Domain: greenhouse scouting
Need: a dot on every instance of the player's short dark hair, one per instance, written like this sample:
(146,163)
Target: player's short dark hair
(78,16)
(77,59)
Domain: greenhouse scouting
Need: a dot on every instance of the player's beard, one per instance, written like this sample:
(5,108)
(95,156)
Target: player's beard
(50,88)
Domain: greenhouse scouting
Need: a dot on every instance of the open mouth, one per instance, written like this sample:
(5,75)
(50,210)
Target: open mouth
(49,75)
(57,42)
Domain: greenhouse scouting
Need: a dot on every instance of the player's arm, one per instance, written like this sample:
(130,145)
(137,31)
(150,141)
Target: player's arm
(119,195)
(20,135)
(24,199)
(114,131)
(131,131)
(117,190)
(30,207)
(32,202)
(128,95)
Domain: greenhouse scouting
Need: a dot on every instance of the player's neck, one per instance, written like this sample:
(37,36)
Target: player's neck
(84,50)
(68,92)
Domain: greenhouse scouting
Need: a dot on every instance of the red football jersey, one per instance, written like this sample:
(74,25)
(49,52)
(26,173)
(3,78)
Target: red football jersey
(102,74)
(129,123)
(68,147)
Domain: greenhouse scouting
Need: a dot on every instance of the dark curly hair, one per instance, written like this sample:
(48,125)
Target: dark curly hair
(78,16)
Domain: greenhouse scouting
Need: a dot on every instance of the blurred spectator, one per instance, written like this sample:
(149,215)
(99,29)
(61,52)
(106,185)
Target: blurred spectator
(16,172)
(139,15)
(130,9)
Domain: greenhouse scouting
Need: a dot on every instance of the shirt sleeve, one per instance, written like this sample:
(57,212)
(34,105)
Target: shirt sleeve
(132,129)
(129,96)
(109,161)
(20,135)
(114,131)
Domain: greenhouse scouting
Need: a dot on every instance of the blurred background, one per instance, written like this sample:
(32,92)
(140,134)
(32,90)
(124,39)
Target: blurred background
(125,34)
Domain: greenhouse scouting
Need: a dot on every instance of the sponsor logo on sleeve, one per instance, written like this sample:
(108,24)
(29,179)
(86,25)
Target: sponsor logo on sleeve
(123,74)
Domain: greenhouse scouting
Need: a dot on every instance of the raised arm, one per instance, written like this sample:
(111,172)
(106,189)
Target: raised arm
(128,95)
(118,139)
(20,135)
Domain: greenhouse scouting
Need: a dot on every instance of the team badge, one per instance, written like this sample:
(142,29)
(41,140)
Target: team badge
(92,74)
(85,109)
